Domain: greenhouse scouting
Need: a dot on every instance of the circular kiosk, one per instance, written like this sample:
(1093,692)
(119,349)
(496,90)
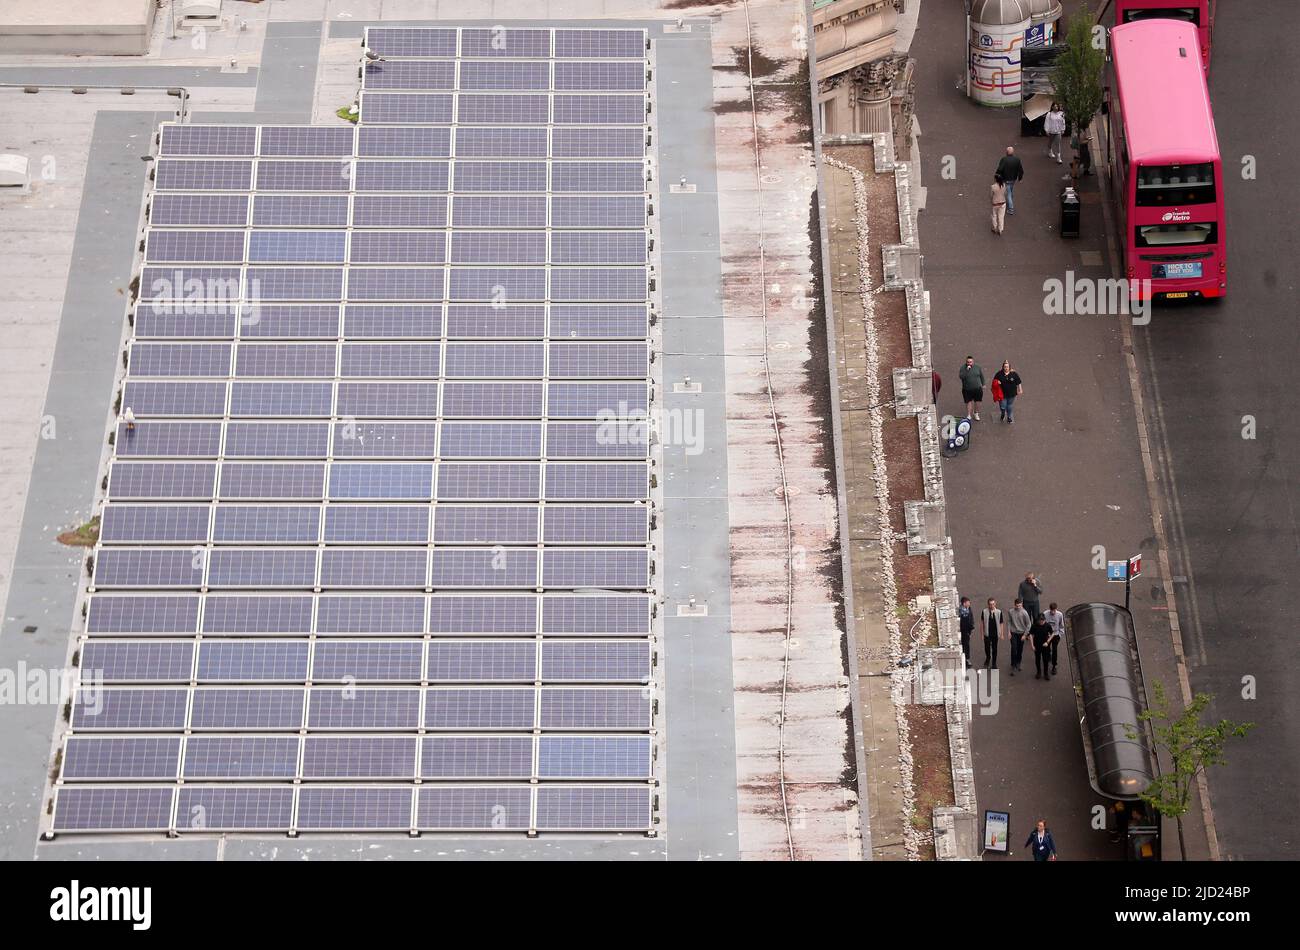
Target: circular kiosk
(997,35)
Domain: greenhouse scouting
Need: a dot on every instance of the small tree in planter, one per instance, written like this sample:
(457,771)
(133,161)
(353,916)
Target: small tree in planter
(1076,76)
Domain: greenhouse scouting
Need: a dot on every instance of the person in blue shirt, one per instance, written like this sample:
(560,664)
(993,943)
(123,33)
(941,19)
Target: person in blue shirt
(1041,843)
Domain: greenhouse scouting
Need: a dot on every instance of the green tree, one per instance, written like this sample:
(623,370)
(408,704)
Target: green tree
(1076,76)
(1191,745)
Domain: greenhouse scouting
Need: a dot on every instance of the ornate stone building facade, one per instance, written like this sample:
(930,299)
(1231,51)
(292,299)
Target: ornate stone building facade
(863,85)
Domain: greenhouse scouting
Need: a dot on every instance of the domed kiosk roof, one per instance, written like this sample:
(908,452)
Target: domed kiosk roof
(999,12)
(1044,9)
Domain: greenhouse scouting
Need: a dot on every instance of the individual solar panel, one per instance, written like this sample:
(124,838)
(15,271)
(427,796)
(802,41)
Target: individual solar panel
(364,707)
(297,247)
(599,360)
(598,142)
(410,142)
(396,41)
(505,42)
(360,757)
(174,398)
(112,809)
(287,175)
(495,524)
(488,481)
(498,247)
(127,480)
(406,108)
(489,142)
(373,614)
(515,567)
(379,175)
(281,399)
(285,359)
(390,360)
(202,174)
(388,399)
(275,567)
(207,139)
(600,77)
(613,707)
(511,360)
(464,709)
(395,283)
(497,283)
(241,757)
(242,661)
(596,661)
(271,480)
(594,757)
(148,567)
(288,322)
(596,524)
(257,614)
(118,758)
(476,757)
(377,524)
(398,247)
(597,400)
(294,283)
(598,177)
(606,568)
(598,284)
(343,567)
(491,211)
(252,708)
(615,437)
(367,661)
(488,321)
(492,400)
(474,808)
(137,661)
(299,140)
(588,211)
(589,808)
(395,481)
(195,321)
(482,661)
(212,211)
(133,613)
(596,614)
(598,247)
(125,709)
(335,808)
(265,524)
(393,322)
(476,75)
(179,359)
(600,44)
(385,440)
(276,440)
(399,211)
(497,176)
(608,109)
(586,321)
(460,614)
(487,108)
(607,481)
(305,211)
(410,75)
(189,289)
(484,440)
(157,524)
(201,809)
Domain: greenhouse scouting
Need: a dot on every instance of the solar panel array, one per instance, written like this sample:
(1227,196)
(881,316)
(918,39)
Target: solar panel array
(375,554)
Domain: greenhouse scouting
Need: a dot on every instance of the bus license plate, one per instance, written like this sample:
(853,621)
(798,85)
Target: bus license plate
(1183,269)
(1178,296)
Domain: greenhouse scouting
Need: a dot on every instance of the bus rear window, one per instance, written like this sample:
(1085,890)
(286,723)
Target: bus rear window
(1186,14)
(1176,235)
(1175,184)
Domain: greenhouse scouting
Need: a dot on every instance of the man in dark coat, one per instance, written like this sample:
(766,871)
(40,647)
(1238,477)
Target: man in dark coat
(1041,843)
(1012,171)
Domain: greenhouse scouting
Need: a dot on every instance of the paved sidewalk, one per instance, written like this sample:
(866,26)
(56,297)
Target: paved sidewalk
(1068,476)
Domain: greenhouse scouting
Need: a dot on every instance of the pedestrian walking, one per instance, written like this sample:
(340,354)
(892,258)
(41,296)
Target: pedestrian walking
(995,390)
(936,384)
(1018,623)
(1041,843)
(995,628)
(1056,620)
(966,618)
(1012,171)
(1029,590)
(1054,126)
(1008,381)
(1040,635)
(972,387)
(998,194)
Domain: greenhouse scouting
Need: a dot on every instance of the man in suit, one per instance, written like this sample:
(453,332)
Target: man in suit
(995,628)
(1040,842)
(966,615)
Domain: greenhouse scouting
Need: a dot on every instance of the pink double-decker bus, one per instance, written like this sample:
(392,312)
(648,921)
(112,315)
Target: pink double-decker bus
(1199,13)
(1167,173)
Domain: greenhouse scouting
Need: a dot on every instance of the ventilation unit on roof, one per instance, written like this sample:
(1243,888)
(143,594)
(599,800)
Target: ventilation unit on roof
(198,9)
(14,175)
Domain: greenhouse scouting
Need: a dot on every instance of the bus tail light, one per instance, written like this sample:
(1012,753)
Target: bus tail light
(1130,270)
(1223,267)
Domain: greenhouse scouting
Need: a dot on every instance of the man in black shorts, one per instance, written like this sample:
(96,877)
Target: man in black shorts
(972,387)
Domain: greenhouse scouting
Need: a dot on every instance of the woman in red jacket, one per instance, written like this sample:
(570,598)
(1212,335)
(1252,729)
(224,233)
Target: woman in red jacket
(996,389)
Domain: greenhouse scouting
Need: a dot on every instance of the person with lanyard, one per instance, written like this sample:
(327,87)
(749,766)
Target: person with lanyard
(1041,843)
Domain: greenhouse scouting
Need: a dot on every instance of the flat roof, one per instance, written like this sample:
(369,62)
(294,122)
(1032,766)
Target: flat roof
(75,16)
(1162,92)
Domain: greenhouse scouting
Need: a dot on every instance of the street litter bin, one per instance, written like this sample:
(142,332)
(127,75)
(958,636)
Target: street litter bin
(1069,213)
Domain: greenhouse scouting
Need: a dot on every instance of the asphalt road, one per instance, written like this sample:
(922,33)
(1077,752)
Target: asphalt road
(1235,500)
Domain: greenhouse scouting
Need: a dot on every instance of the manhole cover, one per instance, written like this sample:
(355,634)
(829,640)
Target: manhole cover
(770,179)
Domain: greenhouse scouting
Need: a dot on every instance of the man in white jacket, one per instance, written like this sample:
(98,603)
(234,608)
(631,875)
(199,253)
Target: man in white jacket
(1054,126)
